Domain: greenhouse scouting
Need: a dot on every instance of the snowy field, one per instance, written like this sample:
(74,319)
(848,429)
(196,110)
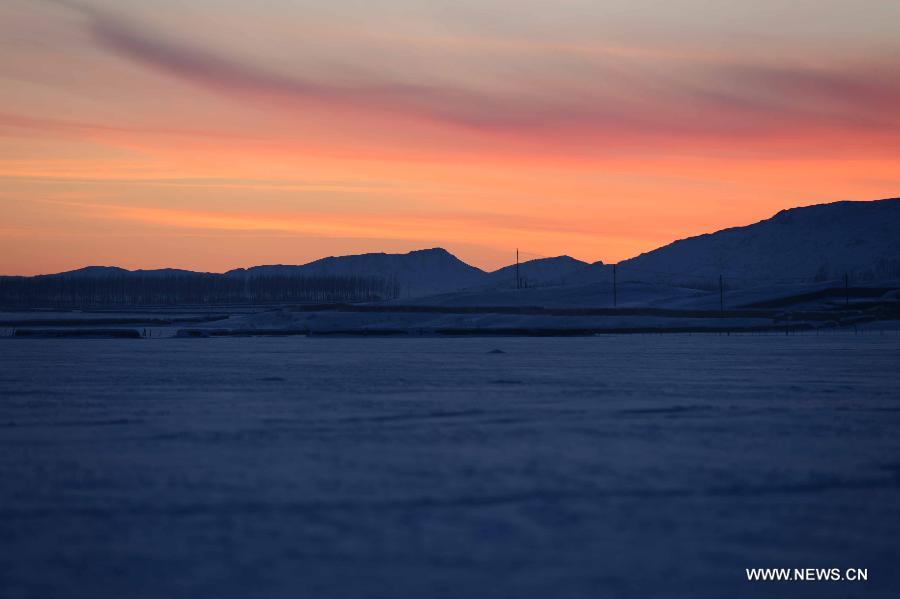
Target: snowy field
(617,466)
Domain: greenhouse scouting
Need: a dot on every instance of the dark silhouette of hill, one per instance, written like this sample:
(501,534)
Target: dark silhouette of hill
(824,242)
(419,272)
(813,243)
(535,273)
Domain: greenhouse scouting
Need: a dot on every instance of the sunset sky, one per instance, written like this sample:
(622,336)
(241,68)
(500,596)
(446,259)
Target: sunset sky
(214,134)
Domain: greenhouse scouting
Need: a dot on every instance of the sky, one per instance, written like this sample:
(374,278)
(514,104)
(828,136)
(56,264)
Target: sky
(215,134)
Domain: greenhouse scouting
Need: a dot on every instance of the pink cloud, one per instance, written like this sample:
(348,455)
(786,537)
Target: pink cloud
(617,102)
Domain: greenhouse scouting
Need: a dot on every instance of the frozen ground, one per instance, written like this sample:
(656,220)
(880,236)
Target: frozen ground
(620,466)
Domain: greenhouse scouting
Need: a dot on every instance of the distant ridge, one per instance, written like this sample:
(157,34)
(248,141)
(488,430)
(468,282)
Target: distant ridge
(808,244)
(535,273)
(812,243)
(108,271)
(420,272)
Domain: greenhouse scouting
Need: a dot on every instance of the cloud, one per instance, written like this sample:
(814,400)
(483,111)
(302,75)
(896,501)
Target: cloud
(618,100)
(381,225)
(230,77)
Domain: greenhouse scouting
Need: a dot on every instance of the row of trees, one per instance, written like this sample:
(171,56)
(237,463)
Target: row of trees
(195,288)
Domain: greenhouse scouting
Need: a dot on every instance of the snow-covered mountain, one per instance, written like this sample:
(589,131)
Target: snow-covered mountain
(800,245)
(810,244)
(540,272)
(420,272)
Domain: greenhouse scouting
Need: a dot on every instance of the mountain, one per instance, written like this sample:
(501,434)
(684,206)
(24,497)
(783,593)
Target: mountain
(101,272)
(800,245)
(420,272)
(535,273)
(96,272)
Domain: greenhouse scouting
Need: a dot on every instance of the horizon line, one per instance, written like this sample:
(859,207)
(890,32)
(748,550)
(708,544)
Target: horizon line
(433,248)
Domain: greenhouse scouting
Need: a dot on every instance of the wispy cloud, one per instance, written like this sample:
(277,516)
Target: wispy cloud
(695,99)
(382,225)
(241,80)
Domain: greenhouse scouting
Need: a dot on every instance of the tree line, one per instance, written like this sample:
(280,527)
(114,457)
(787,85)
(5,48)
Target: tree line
(190,288)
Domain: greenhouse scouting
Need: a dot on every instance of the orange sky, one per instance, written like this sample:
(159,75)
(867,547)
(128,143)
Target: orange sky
(210,134)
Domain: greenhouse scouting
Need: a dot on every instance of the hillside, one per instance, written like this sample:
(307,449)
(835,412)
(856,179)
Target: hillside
(801,245)
(535,273)
(420,272)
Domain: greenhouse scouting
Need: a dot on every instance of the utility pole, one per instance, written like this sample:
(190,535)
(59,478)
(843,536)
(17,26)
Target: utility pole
(615,288)
(518,279)
(721,294)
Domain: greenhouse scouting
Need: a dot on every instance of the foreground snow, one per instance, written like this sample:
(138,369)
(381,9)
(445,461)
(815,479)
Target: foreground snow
(635,466)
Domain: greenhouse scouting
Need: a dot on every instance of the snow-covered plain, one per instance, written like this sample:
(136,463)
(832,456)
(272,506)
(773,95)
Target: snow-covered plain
(619,466)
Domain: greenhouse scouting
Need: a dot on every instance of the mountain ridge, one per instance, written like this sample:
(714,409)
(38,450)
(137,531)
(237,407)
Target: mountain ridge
(808,243)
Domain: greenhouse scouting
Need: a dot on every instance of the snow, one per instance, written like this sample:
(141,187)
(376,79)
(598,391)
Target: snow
(596,295)
(484,322)
(820,242)
(615,466)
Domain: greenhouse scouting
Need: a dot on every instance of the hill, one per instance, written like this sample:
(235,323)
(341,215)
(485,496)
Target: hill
(535,273)
(417,273)
(801,245)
